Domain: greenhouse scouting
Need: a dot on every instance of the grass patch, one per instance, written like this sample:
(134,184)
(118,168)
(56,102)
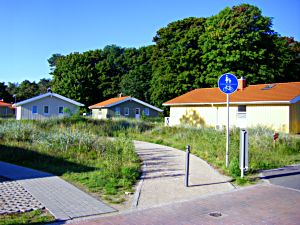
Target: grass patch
(33,217)
(210,145)
(80,152)
(77,150)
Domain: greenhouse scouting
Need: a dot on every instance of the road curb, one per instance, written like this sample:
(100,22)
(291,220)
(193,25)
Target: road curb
(139,188)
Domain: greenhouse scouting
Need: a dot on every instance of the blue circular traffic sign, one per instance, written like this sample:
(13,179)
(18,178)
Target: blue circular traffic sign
(228,83)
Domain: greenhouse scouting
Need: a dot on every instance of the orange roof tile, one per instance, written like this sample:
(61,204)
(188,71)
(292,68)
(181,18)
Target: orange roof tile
(108,102)
(280,92)
(4,104)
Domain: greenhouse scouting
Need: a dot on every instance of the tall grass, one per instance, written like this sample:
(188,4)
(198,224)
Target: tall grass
(78,149)
(210,144)
(74,150)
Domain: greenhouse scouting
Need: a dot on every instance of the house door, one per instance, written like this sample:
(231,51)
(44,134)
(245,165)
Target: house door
(137,113)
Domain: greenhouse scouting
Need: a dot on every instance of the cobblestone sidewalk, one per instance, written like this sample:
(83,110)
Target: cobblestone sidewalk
(14,198)
(259,205)
(62,199)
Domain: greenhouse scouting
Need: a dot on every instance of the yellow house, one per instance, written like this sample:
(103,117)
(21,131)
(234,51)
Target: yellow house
(276,106)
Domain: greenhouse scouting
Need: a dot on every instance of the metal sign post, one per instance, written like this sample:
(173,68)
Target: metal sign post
(227,133)
(228,84)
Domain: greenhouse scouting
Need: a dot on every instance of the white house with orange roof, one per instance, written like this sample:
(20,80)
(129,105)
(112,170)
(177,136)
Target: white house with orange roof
(125,106)
(276,106)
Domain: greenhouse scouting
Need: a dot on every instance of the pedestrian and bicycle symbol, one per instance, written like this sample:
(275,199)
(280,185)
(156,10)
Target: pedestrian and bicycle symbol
(228,83)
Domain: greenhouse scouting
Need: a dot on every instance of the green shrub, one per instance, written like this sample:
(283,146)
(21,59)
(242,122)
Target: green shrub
(234,168)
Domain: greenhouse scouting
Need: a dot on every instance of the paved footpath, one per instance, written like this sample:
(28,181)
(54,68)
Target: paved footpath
(164,175)
(260,204)
(62,199)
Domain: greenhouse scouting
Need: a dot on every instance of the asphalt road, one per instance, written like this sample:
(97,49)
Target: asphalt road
(288,176)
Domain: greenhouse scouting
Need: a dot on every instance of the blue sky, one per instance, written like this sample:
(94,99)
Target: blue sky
(33,30)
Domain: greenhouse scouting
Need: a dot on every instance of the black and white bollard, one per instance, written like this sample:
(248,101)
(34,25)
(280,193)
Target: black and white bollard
(187,165)
(243,151)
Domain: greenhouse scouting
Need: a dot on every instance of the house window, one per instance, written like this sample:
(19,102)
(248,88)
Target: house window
(242,108)
(60,110)
(146,112)
(241,114)
(46,109)
(117,111)
(34,109)
(126,111)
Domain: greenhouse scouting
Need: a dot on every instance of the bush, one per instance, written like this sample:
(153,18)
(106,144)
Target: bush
(234,168)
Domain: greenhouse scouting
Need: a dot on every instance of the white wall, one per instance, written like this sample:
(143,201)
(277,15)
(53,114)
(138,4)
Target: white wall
(52,102)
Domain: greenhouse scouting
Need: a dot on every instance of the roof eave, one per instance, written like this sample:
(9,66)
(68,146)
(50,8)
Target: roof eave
(136,100)
(223,103)
(96,107)
(46,95)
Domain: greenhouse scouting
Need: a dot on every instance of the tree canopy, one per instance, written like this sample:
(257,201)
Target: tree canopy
(187,54)
(24,90)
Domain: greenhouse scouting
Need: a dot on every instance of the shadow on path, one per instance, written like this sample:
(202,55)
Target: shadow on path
(33,159)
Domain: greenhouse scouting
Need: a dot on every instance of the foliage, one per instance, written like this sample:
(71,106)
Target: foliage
(240,40)
(43,85)
(209,144)
(75,77)
(101,74)
(53,59)
(4,94)
(188,53)
(136,82)
(24,90)
(33,217)
(176,59)
(77,153)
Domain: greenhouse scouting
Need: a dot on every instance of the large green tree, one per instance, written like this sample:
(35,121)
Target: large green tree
(53,59)
(4,93)
(189,53)
(26,90)
(136,82)
(176,59)
(91,76)
(75,76)
(241,40)
(110,70)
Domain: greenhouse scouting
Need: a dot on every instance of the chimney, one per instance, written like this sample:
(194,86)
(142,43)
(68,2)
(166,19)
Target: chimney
(49,90)
(120,95)
(241,83)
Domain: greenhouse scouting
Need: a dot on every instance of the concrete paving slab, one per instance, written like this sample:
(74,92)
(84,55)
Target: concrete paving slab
(62,199)
(164,173)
